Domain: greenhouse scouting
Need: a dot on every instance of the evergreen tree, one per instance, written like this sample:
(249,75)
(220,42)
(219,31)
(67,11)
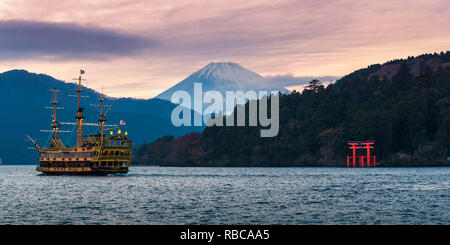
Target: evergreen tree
(314,85)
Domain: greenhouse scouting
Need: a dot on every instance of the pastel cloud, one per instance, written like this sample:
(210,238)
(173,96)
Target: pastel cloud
(168,40)
(27,39)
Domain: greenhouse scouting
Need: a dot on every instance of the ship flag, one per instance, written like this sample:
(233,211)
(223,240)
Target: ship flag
(122,122)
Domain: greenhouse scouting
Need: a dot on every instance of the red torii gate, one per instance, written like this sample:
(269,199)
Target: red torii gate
(368,160)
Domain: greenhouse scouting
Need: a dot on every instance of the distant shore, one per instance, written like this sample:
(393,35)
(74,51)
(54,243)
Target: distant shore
(431,163)
(434,163)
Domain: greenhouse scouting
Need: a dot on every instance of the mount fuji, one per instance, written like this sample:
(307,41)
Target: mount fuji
(221,77)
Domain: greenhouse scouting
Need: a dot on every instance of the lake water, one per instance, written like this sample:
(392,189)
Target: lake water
(157,195)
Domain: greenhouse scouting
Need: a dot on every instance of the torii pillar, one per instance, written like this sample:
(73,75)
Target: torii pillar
(353,146)
(368,146)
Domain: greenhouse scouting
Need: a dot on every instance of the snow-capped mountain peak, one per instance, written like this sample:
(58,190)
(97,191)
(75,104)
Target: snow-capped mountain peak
(221,77)
(227,71)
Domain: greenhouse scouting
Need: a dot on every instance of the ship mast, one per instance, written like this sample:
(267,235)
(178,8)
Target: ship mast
(102,118)
(55,124)
(79,115)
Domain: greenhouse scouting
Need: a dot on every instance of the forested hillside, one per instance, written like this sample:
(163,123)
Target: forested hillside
(404,105)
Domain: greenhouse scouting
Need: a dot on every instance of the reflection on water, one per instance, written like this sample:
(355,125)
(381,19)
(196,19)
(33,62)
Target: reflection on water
(155,195)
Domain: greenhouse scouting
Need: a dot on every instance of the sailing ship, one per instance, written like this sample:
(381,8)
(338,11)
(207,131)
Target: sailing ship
(95,154)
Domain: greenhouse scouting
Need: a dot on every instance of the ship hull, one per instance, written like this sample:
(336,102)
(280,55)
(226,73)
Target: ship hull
(96,156)
(63,165)
(81,171)
(93,173)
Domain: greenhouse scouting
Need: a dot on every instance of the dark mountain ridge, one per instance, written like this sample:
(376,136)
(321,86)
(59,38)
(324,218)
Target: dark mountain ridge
(24,96)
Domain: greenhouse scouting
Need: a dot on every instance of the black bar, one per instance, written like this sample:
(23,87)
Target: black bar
(228,234)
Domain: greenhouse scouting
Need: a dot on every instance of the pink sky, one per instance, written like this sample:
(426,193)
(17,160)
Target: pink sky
(140,48)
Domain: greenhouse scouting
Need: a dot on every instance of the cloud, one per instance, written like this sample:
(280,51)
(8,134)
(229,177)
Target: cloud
(301,37)
(29,39)
(289,80)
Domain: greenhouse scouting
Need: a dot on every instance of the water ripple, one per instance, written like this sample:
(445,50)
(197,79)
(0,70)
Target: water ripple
(155,195)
